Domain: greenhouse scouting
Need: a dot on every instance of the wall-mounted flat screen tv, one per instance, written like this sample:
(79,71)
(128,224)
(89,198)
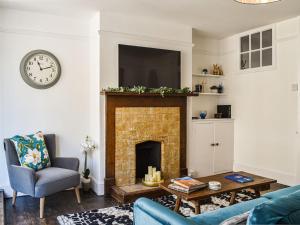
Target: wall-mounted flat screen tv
(149,67)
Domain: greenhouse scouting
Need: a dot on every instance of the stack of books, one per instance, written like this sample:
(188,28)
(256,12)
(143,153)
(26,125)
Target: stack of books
(186,184)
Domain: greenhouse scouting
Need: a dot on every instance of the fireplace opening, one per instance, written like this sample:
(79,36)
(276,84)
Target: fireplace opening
(148,153)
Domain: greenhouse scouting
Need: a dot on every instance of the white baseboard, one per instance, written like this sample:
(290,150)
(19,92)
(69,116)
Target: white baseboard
(281,177)
(98,187)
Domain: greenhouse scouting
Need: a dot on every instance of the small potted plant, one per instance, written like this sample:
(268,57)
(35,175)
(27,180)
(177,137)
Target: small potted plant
(220,88)
(87,146)
(214,89)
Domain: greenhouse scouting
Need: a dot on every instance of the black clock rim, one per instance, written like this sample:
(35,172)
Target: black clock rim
(27,80)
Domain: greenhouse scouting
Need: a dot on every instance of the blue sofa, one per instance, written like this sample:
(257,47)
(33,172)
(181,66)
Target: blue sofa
(151,213)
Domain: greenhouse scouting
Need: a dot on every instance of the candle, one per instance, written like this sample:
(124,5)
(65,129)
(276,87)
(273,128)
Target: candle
(150,170)
(158,176)
(151,179)
(147,178)
(154,171)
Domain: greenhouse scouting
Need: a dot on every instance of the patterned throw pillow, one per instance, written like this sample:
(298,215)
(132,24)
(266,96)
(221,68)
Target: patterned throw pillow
(32,151)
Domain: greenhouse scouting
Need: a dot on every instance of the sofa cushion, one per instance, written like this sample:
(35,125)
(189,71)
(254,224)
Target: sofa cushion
(219,215)
(53,179)
(32,151)
(281,192)
(283,210)
(240,219)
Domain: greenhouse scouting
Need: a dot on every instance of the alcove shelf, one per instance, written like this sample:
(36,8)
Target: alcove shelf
(211,94)
(207,75)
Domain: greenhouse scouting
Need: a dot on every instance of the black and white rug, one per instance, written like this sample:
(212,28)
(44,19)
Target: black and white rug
(123,214)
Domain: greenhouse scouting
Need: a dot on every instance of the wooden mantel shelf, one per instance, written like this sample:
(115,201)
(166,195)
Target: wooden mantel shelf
(109,93)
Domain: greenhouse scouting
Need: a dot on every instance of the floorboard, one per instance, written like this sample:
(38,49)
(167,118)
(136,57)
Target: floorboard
(26,211)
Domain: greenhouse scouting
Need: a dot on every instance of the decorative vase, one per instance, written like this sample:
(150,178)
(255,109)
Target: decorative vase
(86,184)
(203,114)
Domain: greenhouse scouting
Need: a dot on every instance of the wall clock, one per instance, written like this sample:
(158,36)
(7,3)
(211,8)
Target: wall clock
(40,69)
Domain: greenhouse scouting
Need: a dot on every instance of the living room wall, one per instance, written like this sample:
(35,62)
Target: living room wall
(265,107)
(63,109)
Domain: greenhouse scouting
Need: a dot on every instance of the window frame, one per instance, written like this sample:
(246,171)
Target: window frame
(273,47)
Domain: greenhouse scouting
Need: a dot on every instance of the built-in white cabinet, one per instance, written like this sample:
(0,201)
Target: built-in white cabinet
(211,146)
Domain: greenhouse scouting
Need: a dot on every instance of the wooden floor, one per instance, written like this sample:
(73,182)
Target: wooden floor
(26,211)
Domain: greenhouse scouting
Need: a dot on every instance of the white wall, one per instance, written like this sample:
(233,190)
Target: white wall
(63,109)
(119,29)
(265,108)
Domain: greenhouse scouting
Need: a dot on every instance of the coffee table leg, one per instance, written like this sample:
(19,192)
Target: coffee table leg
(232,198)
(177,204)
(197,207)
(257,192)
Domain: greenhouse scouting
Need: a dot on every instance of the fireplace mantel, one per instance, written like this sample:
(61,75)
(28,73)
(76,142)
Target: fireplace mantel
(117,100)
(109,93)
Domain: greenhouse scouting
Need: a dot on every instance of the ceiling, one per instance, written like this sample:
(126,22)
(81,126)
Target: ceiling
(213,18)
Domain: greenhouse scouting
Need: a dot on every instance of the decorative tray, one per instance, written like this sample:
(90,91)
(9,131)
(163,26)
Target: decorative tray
(151,184)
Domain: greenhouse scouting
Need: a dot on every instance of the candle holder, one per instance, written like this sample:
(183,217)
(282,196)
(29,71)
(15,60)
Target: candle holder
(152,178)
(152,183)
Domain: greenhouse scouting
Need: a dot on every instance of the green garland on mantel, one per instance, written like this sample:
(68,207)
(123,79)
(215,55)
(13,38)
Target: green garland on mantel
(163,91)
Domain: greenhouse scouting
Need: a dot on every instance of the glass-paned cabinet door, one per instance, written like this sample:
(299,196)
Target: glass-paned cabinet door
(267,38)
(245,43)
(244,52)
(255,59)
(255,41)
(256,49)
(245,61)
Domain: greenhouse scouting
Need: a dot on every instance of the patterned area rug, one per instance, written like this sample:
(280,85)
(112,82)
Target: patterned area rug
(123,214)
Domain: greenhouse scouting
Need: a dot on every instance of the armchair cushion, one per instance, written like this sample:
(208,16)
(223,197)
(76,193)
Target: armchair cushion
(32,151)
(53,179)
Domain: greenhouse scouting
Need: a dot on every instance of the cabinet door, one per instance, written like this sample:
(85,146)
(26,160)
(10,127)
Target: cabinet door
(200,151)
(223,152)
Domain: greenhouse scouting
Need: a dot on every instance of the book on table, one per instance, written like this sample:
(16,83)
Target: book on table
(182,189)
(239,178)
(186,184)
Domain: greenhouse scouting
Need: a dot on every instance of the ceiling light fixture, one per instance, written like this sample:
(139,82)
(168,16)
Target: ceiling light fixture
(256,2)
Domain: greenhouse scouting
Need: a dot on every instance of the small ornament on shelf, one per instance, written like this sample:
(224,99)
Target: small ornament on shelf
(217,70)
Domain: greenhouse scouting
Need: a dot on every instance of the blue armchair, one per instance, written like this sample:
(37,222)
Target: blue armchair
(63,174)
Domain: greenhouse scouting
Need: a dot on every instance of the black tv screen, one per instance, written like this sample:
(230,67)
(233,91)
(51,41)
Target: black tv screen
(149,67)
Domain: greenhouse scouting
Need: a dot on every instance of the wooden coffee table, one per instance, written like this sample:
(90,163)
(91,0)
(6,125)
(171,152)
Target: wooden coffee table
(228,186)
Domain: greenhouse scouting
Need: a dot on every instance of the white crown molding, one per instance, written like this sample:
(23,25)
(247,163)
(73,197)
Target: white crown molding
(29,32)
(147,38)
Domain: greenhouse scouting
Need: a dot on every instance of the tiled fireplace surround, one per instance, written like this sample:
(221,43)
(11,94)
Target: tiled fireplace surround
(136,125)
(132,119)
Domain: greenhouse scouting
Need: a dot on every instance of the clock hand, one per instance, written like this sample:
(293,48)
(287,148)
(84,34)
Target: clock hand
(39,65)
(47,67)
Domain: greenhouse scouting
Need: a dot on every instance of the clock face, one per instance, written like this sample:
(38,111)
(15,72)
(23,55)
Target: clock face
(40,69)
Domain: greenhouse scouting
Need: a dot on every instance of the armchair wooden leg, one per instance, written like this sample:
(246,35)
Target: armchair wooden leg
(42,205)
(77,194)
(14,198)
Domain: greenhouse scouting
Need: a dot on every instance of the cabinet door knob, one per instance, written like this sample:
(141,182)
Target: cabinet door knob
(217,144)
(213,144)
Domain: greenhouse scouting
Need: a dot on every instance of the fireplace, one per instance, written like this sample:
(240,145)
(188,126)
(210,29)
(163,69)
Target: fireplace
(148,153)
(139,123)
